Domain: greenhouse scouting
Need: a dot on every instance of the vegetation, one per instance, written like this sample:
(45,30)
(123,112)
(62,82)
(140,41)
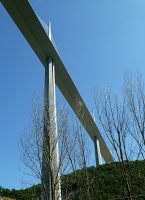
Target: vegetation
(122,117)
(105,182)
(25,194)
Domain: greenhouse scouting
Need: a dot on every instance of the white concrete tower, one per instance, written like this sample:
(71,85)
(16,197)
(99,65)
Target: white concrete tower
(50,162)
(98,157)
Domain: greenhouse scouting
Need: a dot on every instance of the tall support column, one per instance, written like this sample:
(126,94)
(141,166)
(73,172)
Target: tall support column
(97,151)
(50,161)
(46,169)
(98,158)
(53,133)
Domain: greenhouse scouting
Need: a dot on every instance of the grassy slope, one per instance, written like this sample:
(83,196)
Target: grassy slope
(102,183)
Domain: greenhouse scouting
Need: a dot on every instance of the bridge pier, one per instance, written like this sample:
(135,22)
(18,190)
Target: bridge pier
(51,186)
(98,158)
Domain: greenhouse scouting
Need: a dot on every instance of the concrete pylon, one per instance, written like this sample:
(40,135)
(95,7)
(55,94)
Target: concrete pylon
(50,160)
(98,157)
(46,155)
(97,151)
(54,152)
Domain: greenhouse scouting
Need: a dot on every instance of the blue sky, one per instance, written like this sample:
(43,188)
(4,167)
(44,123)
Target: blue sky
(98,40)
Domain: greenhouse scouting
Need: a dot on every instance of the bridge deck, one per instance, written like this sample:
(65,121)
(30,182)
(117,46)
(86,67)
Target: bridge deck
(28,23)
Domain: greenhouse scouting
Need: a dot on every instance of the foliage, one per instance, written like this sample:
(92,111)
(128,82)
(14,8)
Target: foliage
(105,182)
(31,193)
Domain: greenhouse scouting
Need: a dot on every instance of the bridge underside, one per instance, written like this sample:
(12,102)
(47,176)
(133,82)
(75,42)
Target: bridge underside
(30,26)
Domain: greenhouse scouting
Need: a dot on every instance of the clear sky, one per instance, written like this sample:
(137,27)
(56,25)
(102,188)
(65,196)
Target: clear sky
(98,41)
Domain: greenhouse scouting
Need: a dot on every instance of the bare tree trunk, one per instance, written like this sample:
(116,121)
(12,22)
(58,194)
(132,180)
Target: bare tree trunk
(35,146)
(114,120)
